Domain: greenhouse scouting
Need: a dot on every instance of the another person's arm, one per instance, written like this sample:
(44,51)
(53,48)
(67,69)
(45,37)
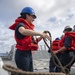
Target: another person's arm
(66,45)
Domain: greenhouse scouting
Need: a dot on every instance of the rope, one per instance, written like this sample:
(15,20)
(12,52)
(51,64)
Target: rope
(64,69)
(15,71)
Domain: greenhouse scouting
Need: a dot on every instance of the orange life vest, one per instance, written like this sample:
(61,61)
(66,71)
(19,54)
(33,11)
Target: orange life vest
(72,36)
(26,42)
(55,45)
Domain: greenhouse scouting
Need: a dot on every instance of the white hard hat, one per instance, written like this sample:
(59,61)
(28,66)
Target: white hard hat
(67,28)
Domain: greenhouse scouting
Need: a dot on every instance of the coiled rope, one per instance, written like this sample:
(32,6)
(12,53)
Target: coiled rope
(64,68)
(16,71)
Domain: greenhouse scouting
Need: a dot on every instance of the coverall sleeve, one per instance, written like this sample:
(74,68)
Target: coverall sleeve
(67,42)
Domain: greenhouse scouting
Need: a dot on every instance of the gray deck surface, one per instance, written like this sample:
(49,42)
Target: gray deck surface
(41,62)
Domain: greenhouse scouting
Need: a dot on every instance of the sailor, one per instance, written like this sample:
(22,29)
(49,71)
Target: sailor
(55,46)
(67,47)
(24,32)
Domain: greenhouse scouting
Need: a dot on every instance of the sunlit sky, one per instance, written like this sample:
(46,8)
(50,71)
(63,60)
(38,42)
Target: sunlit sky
(52,15)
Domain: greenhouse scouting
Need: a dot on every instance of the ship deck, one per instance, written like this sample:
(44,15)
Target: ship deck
(40,61)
